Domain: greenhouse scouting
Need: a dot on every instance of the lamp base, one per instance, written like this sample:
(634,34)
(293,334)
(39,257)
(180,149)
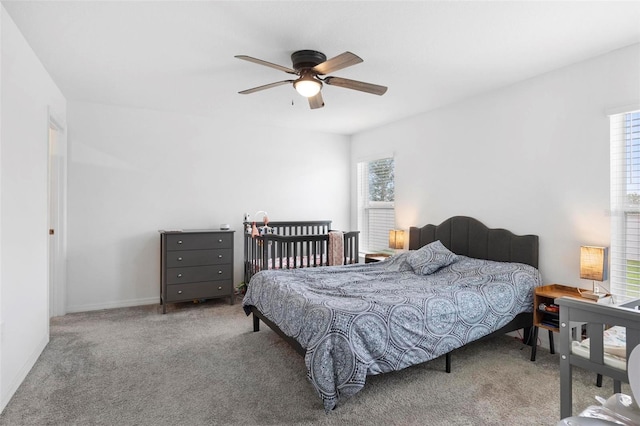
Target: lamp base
(592,295)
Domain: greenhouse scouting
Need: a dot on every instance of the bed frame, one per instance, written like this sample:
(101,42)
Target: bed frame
(597,317)
(296,244)
(468,237)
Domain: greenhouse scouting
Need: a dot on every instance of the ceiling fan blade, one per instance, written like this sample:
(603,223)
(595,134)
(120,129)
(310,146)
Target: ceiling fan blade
(356,85)
(265,63)
(266,86)
(341,61)
(316,101)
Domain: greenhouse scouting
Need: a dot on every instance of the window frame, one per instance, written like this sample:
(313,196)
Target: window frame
(365,205)
(625,233)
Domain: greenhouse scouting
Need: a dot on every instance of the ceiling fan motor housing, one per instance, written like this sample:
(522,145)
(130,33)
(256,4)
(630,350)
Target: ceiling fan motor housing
(302,59)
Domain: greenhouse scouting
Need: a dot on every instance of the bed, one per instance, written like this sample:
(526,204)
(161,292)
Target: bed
(612,332)
(296,244)
(459,282)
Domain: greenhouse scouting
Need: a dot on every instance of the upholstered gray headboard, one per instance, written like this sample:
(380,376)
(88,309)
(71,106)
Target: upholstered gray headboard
(469,237)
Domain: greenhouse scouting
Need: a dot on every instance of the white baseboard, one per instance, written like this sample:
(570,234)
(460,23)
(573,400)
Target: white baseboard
(113,305)
(17,380)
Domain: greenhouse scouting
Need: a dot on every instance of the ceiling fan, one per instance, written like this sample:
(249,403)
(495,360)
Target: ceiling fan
(309,65)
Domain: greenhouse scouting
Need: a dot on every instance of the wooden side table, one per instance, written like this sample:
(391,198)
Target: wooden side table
(548,318)
(375,257)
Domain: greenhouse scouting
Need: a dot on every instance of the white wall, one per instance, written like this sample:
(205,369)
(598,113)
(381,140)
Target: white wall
(532,158)
(132,172)
(27,93)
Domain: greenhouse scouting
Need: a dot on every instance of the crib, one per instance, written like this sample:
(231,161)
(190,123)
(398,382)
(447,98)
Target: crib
(598,356)
(296,244)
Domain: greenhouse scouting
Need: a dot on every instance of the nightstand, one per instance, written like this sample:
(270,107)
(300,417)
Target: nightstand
(546,313)
(375,257)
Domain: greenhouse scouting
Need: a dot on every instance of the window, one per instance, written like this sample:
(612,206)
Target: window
(376,211)
(625,205)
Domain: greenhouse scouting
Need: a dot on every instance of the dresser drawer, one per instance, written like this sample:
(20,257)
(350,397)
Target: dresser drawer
(199,273)
(195,241)
(181,258)
(203,290)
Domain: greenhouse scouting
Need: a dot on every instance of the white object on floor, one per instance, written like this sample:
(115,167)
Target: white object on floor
(634,372)
(583,421)
(619,409)
(624,407)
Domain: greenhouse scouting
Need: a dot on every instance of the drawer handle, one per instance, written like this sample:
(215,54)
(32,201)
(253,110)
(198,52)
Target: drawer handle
(219,288)
(179,291)
(220,240)
(219,256)
(179,275)
(179,259)
(219,272)
(179,241)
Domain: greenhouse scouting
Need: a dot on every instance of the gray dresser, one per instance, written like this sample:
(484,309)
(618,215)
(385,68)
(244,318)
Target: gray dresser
(195,264)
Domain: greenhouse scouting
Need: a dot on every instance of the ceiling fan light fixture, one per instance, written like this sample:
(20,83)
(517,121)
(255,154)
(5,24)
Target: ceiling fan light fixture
(307,86)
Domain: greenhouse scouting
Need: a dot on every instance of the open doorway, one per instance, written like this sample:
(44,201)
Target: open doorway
(57,180)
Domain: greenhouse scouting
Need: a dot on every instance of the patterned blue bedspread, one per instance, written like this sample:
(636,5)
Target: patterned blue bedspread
(360,319)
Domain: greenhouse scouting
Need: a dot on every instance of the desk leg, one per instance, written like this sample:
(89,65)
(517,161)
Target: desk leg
(551,348)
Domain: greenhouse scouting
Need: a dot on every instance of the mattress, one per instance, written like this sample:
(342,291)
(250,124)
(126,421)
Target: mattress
(615,349)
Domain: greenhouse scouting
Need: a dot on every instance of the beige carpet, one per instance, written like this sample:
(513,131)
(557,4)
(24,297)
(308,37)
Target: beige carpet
(201,364)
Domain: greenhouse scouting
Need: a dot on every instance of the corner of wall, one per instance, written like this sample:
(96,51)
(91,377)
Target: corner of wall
(3,401)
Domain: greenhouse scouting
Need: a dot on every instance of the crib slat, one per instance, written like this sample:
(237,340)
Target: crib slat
(632,340)
(595,332)
(294,244)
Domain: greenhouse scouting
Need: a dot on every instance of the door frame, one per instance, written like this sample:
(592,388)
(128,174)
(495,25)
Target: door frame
(57,213)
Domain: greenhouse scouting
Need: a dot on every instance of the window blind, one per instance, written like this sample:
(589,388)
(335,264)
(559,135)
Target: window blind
(625,205)
(376,211)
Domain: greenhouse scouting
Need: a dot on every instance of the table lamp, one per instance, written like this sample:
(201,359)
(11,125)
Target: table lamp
(396,239)
(593,266)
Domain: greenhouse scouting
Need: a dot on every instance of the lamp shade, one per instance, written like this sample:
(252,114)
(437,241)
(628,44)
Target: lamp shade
(396,239)
(593,263)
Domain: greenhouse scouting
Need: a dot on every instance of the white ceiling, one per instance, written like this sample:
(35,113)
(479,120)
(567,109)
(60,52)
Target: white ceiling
(179,55)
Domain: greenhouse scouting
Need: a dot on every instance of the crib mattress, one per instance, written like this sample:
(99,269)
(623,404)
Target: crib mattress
(615,348)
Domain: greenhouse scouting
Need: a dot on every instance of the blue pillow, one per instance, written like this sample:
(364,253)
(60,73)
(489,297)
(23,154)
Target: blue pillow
(430,258)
